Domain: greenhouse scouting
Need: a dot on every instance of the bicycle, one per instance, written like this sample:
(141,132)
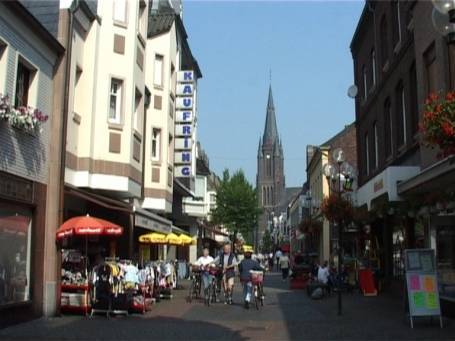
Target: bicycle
(196,284)
(257,279)
(211,296)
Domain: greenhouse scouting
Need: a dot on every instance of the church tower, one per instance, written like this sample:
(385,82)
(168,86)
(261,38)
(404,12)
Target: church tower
(270,182)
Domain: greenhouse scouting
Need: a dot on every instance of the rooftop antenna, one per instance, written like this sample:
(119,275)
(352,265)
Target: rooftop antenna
(270,75)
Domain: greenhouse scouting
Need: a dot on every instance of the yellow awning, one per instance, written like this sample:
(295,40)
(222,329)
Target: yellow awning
(153,238)
(173,239)
(187,240)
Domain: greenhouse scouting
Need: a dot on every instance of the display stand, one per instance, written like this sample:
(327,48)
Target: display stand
(422,284)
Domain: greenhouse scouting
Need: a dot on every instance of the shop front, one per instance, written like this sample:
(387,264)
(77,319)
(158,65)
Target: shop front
(146,222)
(432,193)
(386,230)
(22,229)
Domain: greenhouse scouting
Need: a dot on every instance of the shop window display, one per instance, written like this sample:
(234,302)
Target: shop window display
(446,261)
(15,233)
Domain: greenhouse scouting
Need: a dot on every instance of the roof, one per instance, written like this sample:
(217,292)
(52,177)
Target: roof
(160,23)
(270,130)
(339,134)
(35,25)
(358,31)
(291,193)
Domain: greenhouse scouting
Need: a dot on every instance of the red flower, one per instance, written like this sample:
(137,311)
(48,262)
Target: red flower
(448,129)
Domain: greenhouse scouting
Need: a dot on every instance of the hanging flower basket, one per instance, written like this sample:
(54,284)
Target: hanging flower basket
(337,209)
(438,123)
(25,118)
(309,226)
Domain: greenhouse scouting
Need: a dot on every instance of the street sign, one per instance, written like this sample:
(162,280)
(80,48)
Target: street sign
(422,284)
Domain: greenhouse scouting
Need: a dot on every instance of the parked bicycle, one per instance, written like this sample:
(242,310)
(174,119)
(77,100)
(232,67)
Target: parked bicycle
(214,289)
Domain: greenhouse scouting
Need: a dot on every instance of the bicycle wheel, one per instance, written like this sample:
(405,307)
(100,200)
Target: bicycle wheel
(261,295)
(256,296)
(207,296)
(191,292)
(213,292)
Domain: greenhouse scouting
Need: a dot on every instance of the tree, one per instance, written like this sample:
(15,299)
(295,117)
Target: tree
(236,204)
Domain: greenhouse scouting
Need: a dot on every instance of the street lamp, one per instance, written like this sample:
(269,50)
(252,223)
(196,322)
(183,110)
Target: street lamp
(443,18)
(336,172)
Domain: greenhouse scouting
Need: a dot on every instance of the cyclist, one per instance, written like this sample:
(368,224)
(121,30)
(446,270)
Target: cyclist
(227,262)
(245,266)
(204,262)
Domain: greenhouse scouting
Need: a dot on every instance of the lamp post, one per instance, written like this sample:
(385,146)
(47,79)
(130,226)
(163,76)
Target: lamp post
(443,18)
(335,172)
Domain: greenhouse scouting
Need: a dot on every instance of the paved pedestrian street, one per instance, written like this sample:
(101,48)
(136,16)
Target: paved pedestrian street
(286,315)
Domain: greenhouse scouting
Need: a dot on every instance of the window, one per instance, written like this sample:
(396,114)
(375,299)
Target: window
(115,101)
(138,111)
(365,82)
(23,80)
(388,128)
(384,42)
(429,58)
(120,11)
(376,146)
(15,243)
(401,115)
(156,144)
(397,22)
(268,163)
(414,99)
(158,71)
(373,67)
(367,155)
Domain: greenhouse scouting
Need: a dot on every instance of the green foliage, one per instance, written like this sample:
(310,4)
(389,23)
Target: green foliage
(236,203)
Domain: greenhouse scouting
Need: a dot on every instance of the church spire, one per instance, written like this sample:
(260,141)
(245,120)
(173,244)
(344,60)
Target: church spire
(270,131)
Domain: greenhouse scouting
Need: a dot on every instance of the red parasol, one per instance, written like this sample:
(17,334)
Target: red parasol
(88,226)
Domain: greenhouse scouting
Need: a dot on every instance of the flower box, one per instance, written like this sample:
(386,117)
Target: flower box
(24,118)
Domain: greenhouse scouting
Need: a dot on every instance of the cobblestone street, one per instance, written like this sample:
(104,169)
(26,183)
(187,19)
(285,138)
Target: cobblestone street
(287,315)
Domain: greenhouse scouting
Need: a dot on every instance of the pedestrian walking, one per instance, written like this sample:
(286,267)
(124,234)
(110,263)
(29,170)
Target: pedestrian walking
(278,255)
(284,265)
(270,259)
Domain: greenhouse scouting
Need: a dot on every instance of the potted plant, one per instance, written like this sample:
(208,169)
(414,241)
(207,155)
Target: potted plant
(438,123)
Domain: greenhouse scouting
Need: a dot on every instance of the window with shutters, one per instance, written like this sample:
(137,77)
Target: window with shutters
(120,11)
(115,101)
(429,59)
(414,109)
(388,128)
(367,155)
(376,146)
(384,42)
(401,114)
(158,71)
(156,144)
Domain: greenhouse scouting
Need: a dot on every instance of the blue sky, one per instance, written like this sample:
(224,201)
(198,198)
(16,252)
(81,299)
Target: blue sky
(305,44)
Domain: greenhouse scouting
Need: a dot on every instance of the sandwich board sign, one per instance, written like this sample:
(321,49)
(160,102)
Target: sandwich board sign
(422,284)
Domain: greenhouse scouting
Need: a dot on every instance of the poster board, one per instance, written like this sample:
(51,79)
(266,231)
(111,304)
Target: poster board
(422,283)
